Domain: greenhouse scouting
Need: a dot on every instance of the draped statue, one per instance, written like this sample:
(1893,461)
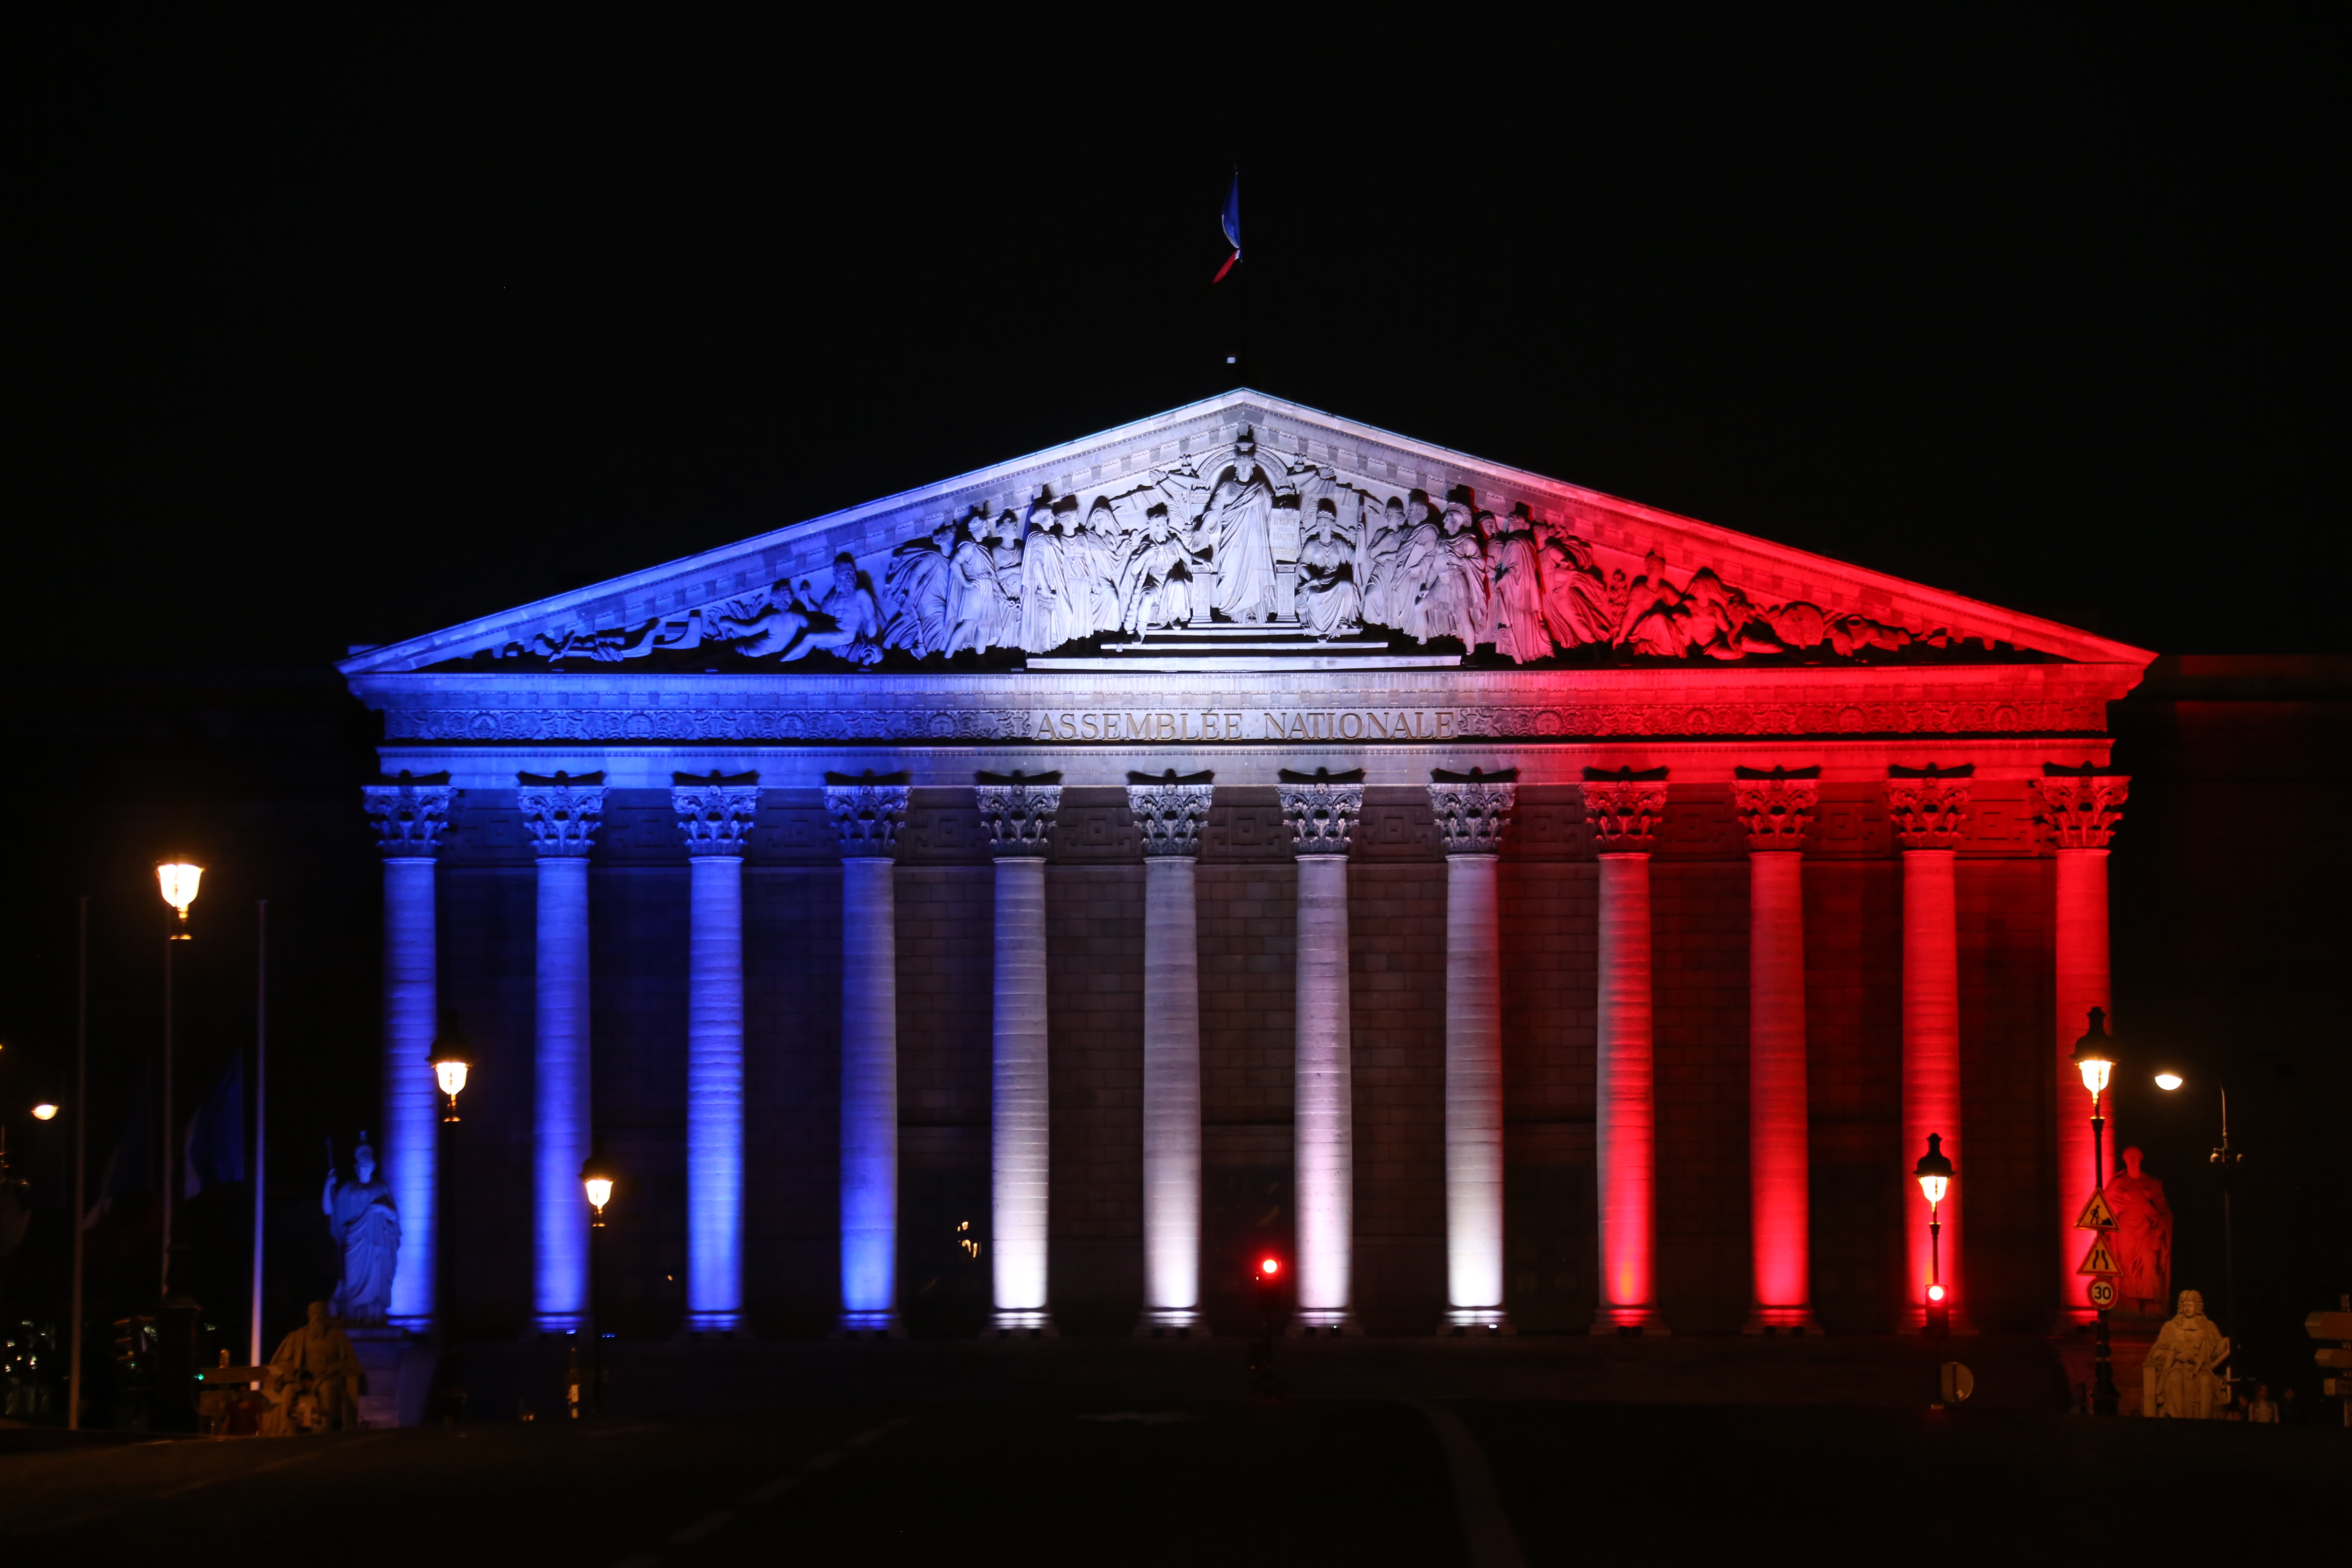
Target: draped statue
(2182,1379)
(366,1227)
(1241,514)
(2142,1239)
(1517,622)
(1328,603)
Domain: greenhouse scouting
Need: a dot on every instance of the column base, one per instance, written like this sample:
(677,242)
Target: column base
(881,1325)
(1324,1322)
(419,1325)
(556,1325)
(1780,1321)
(1023,1323)
(713,1326)
(1630,1322)
(1171,1323)
(1956,1321)
(1475,1323)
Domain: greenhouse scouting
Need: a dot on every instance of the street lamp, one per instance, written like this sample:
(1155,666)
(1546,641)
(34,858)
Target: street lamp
(178,879)
(1934,1174)
(2226,1160)
(2094,1059)
(596,1177)
(453,1058)
(44,1111)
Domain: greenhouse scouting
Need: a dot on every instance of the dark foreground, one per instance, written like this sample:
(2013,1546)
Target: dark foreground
(1302,1481)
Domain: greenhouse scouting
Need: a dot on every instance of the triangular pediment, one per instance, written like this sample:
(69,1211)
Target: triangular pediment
(1246,531)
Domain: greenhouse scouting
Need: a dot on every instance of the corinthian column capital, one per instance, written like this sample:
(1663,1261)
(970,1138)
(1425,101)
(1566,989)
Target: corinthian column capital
(1472,808)
(408,815)
(715,812)
(1169,811)
(1928,807)
(1320,809)
(867,810)
(561,812)
(2078,808)
(1775,808)
(1019,811)
(1625,807)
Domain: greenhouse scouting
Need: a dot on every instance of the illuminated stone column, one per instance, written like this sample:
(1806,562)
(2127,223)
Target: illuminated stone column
(1321,810)
(1169,811)
(1776,809)
(714,817)
(1471,810)
(1927,808)
(561,814)
(1623,808)
(2078,810)
(1019,813)
(867,814)
(408,818)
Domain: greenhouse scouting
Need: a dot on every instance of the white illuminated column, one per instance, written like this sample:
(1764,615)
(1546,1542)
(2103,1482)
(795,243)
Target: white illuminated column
(561,814)
(1321,812)
(1168,814)
(1019,813)
(2078,808)
(1471,812)
(867,814)
(1623,809)
(408,818)
(1927,808)
(715,815)
(1776,809)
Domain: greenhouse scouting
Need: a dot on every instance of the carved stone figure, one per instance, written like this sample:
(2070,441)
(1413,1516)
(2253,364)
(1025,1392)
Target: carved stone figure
(1382,536)
(1454,601)
(1328,603)
(1575,595)
(1648,623)
(1098,557)
(313,1379)
(918,583)
(366,1227)
(979,615)
(1241,514)
(1048,615)
(844,619)
(2182,1379)
(2142,1241)
(1156,591)
(1517,621)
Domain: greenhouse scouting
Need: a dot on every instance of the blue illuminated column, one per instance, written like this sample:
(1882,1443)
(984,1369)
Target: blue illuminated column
(408,817)
(561,814)
(866,813)
(715,815)
(1471,810)
(1019,813)
(1167,813)
(1321,810)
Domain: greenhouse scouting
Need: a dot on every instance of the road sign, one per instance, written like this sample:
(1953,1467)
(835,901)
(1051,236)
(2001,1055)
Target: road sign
(2328,1325)
(2099,1260)
(2096,1215)
(2103,1293)
(2334,1358)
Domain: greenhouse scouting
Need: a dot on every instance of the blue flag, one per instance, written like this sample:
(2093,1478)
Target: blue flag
(1230,220)
(132,1167)
(214,1149)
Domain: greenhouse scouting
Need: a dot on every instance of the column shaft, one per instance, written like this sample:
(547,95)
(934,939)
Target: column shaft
(1325,1155)
(1171,1095)
(1625,1110)
(1473,1093)
(1019,1145)
(714,1095)
(1780,1190)
(412,1115)
(2082,985)
(869,1096)
(562,1131)
(1931,1071)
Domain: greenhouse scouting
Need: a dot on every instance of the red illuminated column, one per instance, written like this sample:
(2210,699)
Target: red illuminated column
(1926,807)
(1776,809)
(2078,810)
(1623,809)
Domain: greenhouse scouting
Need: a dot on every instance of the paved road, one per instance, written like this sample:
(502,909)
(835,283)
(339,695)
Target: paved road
(1228,1483)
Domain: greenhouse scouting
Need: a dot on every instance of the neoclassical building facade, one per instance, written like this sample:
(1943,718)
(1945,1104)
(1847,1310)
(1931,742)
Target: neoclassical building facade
(1014,905)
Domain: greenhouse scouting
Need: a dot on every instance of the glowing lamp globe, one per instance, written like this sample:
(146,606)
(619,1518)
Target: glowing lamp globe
(1935,1293)
(2095,1054)
(1933,1171)
(2168,1082)
(178,879)
(597,1175)
(44,1111)
(452,1058)
(1267,1268)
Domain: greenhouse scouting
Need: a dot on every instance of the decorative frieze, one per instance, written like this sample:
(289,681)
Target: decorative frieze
(867,810)
(1472,808)
(2078,808)
(1775,807)
(560,811)
(1320,809)
(715,813)
(1623,808)
(1018,809)
(408,814)
(1929,807)
(1169,811)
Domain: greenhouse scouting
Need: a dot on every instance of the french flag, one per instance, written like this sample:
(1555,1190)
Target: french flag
(1231,220)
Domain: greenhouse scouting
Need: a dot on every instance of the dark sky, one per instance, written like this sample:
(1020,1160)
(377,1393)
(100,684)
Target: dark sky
(324,331)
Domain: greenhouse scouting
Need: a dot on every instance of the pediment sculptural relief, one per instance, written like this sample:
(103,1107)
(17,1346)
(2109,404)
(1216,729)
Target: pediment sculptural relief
(1247,535)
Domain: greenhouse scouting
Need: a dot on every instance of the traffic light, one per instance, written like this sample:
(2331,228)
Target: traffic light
(134,1343)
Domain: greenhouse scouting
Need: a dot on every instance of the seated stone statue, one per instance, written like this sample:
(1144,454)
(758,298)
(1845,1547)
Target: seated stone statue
(315,1365)
(2182,1378)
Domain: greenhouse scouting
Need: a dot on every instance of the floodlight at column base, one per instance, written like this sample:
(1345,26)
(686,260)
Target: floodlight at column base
(558,1323)
(1476,1322)
(1325,1323)
(1632,1322)
(881,1325)
(1169,1323)
(1023,1323)
(1780,1321)
(714,1325)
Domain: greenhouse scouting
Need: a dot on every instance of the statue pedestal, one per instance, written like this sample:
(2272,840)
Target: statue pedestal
(400,1368)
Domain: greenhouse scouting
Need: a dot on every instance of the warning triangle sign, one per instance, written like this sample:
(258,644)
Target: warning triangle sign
(2099,1260)
(2096,1215)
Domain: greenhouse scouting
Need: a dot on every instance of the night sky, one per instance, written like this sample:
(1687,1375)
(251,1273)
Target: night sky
(324,332)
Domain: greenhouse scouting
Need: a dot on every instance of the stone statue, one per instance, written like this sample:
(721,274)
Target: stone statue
(1516,618)
(366,1227)
(2142,1241)
(1576,597)
(1328,604)
(1052,604)
(2182,1379)
(1241,513)
(918,584)
(313,1379)
(843,619)
(1454,599)
(1156,591)
(979,615)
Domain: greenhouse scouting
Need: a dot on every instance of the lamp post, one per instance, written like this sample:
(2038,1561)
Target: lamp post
(2094,1060)
(1934,1175)
(2224,1159)
(453,1059)
(178,880)
(597,1176)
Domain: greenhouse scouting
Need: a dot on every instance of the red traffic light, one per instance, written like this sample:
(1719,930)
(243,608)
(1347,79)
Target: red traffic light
(1935,1293)
(1267,1268)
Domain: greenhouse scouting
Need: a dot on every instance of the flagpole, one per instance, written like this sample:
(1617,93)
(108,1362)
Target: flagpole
(261,1110)
(167,1177)
(82,1134)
